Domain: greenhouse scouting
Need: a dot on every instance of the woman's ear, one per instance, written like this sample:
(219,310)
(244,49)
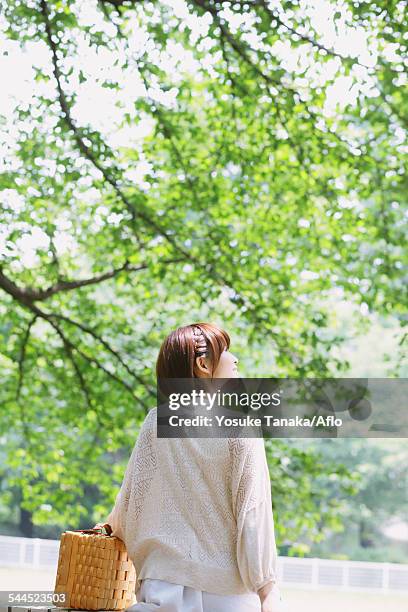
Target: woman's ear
(201,366)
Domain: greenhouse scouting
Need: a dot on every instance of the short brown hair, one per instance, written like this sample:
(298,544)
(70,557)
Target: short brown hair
(179,350)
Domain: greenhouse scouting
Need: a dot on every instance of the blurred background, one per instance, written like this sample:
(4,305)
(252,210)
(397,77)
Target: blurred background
(169,162)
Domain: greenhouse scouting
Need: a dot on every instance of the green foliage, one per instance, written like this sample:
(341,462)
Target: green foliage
(309,494)
(380,496)
(235,197)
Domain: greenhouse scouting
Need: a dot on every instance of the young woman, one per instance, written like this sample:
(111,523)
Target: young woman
(196,513)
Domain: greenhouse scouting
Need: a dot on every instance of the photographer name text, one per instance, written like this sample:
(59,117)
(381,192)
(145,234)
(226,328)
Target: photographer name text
(250,421)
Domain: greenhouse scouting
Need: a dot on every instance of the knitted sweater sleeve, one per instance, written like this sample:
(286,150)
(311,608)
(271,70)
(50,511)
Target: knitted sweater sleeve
(252,506)
(117,516)
(136,481)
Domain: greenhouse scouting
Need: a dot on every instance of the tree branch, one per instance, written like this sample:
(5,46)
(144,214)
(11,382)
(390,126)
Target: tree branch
(84,388)
(20,361)
(22,355)
(37,295)
(105,344)
(77,370)
(328,50)
(275,16)
(19,295)
(49,317)
(209,269)
(87,152)
(239,47)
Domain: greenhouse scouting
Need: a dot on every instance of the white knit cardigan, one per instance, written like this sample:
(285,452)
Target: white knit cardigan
(198,512)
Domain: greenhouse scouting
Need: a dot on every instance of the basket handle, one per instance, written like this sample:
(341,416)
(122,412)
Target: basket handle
(106,529)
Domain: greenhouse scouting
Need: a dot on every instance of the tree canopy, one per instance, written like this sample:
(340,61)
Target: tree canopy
(172,161)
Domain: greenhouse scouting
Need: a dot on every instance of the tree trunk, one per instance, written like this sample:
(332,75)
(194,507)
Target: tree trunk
(26,524)
(364,536)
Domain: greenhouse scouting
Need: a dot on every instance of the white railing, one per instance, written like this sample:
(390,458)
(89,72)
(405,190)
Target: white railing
(28,552)
(318,573)
(297,572)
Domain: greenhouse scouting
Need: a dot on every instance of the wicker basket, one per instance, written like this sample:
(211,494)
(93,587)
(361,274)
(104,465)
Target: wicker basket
(94,571)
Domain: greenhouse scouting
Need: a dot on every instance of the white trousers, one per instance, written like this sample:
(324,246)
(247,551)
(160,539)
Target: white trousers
(168,597)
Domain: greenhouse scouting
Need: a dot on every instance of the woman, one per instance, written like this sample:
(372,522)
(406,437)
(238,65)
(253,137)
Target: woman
(196,513)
